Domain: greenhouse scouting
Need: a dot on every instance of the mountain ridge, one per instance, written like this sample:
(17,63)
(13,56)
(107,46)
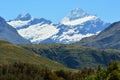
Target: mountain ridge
(10,34)
(108,38)
(80,24)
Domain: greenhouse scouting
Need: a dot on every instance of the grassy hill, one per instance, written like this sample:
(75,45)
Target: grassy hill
(10,53)
(75,56)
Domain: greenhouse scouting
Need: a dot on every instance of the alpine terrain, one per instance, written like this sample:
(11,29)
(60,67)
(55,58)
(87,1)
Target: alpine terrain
(72,28)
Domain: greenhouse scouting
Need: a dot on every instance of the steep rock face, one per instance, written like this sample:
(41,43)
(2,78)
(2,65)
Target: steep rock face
(72,28)
(108,38)
(10,34)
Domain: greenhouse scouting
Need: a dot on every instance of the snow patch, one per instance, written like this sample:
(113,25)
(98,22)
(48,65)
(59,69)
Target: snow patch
(18,23)
(78,21)
(38,32)
(73,38)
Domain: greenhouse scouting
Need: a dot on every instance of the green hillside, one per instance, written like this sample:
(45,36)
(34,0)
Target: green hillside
(10,53)
(75,56)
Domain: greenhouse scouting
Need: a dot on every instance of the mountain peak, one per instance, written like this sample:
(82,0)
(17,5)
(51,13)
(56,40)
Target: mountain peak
(23,17)
(77,13)
(77,16)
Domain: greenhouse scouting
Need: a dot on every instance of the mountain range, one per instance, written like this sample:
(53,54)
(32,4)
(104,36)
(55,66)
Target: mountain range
(78,28)
(72,28)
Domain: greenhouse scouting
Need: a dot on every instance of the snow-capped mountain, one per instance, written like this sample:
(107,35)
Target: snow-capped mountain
(72,28)
(77,25)
(33,29)
(10,34)
(87,23)
(75,14)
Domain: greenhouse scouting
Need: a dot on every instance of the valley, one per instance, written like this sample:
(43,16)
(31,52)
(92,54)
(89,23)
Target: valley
(54,40)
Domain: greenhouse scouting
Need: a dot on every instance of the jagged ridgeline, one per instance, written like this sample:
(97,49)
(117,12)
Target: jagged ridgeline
(10,53)
(76,25)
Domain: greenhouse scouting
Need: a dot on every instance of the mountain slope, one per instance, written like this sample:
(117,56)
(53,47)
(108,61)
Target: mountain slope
(8,33)
(10,53)
(79,24)
(75,56)
(33,29)
(72,28)
(108,38)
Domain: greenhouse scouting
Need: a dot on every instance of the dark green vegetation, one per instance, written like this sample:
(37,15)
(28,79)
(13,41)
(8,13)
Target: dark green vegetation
(74,56)
(25,71)
(17,63)
(10,53)
(108,38)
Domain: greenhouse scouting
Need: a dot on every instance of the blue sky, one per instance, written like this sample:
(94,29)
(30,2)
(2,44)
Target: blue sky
(55,10)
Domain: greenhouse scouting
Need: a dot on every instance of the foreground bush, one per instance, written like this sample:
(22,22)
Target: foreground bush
(25,71)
